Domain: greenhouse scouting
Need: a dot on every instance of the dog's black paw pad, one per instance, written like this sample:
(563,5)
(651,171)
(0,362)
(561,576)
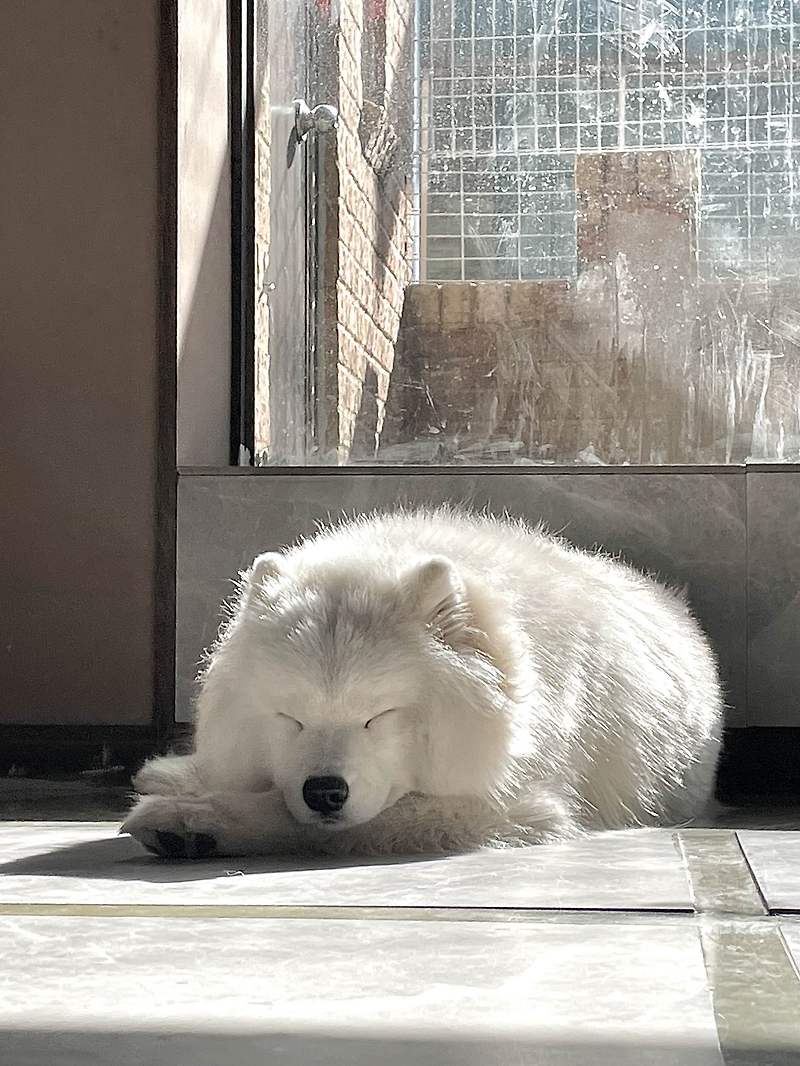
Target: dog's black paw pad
(170,845)
(167,845)
(200,845)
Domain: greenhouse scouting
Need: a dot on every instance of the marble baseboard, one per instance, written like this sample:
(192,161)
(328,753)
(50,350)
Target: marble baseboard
(773,602)
(687,528)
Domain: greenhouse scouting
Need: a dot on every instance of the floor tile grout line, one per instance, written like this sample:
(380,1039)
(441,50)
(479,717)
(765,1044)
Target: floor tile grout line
(346,913)
(752,872)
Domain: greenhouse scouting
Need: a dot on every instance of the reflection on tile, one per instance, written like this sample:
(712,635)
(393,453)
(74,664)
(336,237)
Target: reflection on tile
(773,507)
(689,528)
(354,993)
(774,858)
(71,863)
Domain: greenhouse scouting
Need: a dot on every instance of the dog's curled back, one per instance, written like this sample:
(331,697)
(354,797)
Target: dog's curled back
(435,680)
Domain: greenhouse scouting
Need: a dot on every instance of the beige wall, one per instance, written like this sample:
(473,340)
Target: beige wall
(78,358)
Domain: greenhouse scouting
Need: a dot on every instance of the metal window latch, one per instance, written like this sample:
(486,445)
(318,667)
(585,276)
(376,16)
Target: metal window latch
(318,120)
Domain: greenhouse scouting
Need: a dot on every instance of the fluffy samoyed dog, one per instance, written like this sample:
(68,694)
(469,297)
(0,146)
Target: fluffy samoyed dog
(434,681)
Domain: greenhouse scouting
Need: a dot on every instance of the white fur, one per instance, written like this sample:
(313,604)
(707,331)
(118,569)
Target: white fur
(517,691)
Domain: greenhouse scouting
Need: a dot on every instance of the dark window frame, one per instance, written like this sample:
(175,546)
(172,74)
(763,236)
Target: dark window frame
(241,118)
(241,52)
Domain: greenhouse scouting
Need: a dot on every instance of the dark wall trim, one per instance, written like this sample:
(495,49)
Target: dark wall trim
(166,487)
(45,750)
(241,116)
(760,763)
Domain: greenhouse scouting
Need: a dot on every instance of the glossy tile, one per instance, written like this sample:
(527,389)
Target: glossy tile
(688,528)
(88,863)
(774,858)
(773,533)
(354,993)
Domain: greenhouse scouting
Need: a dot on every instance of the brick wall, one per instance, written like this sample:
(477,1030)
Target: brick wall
(361,63)
(367,182)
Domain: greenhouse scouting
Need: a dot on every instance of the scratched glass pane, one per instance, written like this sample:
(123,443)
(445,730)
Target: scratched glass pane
(630,272)
(599,260)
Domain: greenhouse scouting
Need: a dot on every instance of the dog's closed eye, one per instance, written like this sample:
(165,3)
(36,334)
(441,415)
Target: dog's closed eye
(294,721)
(377,717)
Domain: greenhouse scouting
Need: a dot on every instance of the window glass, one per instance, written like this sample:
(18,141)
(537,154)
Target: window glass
(549,232)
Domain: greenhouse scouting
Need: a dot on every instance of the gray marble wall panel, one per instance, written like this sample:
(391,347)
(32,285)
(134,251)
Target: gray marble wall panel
(687,528)
(773,534)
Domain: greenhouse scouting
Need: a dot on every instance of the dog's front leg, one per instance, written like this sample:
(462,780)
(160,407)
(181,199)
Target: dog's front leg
(439,824)
(220,823)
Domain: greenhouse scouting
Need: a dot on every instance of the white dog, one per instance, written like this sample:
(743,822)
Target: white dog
(434,681)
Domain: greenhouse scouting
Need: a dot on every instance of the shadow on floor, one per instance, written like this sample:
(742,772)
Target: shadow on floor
(122,859)
(254,1048)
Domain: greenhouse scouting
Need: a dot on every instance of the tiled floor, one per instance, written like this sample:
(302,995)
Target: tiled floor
(779,878)
(643,948)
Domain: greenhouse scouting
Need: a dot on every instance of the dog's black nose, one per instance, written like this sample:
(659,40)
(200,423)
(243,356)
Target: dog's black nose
(325,795)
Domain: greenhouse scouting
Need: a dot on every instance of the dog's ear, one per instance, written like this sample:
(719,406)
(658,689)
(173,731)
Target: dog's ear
(265,569)
(437,596)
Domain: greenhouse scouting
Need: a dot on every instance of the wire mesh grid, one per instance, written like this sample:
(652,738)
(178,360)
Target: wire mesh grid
(509,91)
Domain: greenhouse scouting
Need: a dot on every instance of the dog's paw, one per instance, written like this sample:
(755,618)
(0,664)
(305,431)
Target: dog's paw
(173,846)
(169,828)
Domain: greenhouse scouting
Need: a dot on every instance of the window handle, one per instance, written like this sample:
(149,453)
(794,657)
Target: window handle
(318,120)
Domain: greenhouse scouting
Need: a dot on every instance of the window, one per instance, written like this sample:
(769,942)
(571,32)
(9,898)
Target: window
(514,91)
(545,232)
